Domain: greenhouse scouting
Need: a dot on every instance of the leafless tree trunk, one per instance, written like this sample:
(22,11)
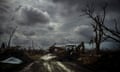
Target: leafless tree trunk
(102,32)
(10,38)
(98,20)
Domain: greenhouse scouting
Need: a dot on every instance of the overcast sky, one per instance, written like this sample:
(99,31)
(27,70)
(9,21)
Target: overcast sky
(50,21)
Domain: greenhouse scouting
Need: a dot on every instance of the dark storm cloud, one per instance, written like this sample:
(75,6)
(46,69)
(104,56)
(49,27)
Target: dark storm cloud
(71,2)
(20,41)
(3,11)
(4,30)
(48,21)
(114,5)
(85,31)
(42,32)
(50,28)
(5,26)
(26,33)
(31,16)
(3,8)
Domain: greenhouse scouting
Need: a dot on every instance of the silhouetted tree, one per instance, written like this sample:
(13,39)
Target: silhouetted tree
(10,38)
(113,34)
(98,21)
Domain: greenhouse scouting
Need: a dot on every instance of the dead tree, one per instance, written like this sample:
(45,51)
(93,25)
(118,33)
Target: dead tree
(112,34)
(98,22)
(10,38)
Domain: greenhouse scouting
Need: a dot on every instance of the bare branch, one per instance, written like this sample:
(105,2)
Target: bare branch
(9,41)
(113,38)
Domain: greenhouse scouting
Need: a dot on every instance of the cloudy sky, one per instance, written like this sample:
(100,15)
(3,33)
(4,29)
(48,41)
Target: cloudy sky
(45,22)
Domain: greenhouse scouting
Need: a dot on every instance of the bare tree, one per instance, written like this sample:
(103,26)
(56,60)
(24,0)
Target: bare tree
(102,31)
(98,22)
(113,34)
(11,35)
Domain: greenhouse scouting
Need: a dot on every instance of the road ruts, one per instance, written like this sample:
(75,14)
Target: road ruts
(54,66)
